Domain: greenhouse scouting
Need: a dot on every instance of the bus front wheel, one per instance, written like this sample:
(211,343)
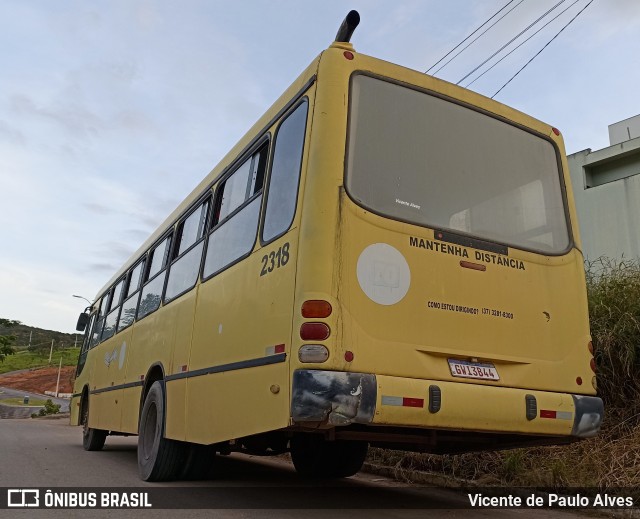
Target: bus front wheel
(313,456)
(92,439)
(158,457)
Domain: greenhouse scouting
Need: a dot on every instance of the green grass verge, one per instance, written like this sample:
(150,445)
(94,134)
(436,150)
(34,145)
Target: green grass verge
(33,402)
(28,359)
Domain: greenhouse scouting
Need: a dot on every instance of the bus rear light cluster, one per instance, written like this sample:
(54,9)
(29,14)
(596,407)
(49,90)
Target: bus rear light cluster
(593,364)
(313,353)
(316,309)
(314,332)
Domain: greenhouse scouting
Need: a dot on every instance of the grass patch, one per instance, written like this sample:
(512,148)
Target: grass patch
(33,402)
(611,460)
(30,359)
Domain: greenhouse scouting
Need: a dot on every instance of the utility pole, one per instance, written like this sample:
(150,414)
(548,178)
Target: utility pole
(58,382)
(51,351)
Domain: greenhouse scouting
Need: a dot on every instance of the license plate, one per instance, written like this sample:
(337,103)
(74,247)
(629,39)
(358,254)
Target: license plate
(479,370)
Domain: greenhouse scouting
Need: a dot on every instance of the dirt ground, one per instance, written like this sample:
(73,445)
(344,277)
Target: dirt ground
(40,380)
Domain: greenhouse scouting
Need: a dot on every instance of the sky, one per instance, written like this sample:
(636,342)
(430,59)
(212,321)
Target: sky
(111,112)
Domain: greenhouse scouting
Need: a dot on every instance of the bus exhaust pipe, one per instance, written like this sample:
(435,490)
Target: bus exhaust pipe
(348,26)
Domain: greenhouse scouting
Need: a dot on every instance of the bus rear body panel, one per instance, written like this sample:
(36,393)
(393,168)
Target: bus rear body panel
(451,262)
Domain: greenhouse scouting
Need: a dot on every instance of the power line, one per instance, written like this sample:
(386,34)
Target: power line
(476,39)
(521,44)
(538,53)
(510,41)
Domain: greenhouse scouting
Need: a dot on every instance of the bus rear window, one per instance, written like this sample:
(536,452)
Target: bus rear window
(421,159)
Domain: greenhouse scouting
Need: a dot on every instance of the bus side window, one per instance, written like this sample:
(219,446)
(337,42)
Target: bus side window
(154,279)
(233,238)
(82,358)
(96,333)
(282,192)
(130,304)
(111,320)
(184,271)
(87,336)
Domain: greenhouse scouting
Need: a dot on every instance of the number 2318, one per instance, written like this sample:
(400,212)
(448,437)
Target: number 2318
(275,259)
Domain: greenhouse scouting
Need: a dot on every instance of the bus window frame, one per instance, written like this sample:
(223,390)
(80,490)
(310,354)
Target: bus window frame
(111,307)
(169,234)
(263,212)
(471,237)
(99,314)
(125,293)
(265,140)
(208,196)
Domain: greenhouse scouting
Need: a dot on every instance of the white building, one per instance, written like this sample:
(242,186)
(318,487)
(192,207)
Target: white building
(606,186)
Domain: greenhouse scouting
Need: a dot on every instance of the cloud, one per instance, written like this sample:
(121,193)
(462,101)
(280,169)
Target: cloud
(120,250)
(9,133)
(102,267)
(79,121)
(97,208)
(138,234)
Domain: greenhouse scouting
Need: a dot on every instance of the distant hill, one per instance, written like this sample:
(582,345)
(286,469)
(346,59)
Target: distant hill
(40,339)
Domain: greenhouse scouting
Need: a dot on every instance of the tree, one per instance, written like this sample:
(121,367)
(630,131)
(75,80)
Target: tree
(6,340)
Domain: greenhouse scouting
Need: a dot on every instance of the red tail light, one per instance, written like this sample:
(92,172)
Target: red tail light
(314,332)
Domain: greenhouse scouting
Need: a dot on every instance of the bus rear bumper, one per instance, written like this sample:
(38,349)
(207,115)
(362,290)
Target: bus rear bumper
(333,398)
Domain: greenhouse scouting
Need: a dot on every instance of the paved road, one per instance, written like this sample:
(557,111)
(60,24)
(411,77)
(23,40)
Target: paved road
(48,453)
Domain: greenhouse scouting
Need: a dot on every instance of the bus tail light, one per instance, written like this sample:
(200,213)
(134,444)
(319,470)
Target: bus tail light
(590,346)
(316,309)
(593,364)
(313,353)
(314,332)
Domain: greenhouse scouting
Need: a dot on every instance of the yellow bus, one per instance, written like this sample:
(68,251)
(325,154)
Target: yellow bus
(384,259)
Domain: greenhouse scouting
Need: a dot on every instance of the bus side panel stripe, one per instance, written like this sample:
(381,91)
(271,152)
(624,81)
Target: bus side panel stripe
(251,363)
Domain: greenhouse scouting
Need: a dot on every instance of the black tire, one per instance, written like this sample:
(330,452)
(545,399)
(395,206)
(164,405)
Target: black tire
(198,462)
(313,457)
(159,459)
(92,439)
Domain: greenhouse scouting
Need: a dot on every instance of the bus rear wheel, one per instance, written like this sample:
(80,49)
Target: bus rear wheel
(315,457)
(92,439)
(159,458)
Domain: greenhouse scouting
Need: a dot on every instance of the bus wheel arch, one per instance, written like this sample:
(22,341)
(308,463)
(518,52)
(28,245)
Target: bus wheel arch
(92,439)
(154,374)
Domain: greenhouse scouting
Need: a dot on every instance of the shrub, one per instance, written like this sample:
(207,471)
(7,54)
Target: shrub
(614,310)
(49,408)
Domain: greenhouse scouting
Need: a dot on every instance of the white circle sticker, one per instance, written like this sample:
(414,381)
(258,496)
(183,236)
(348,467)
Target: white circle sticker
(383,274)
